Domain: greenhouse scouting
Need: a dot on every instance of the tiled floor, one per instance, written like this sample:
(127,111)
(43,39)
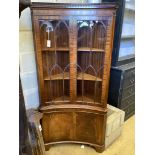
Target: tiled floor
(124,145)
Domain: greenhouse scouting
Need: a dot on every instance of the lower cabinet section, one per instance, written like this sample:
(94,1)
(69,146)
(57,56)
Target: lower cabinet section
(77,127)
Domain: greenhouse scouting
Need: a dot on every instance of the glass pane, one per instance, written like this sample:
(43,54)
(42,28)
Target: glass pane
(90,60)
(55,57)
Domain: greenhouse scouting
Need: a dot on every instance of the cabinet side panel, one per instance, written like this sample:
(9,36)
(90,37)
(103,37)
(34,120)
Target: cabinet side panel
(114,87)
(38,56)
(107,60)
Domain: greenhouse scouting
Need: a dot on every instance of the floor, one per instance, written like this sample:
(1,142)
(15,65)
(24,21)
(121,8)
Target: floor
(124,145)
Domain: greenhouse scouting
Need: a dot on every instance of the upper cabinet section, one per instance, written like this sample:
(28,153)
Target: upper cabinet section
(73,45)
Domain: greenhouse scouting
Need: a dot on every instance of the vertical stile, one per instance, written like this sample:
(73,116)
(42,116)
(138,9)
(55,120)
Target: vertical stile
(107,61)
(91,46)
(73,58)
(110,53)
(38,56)
(82,86)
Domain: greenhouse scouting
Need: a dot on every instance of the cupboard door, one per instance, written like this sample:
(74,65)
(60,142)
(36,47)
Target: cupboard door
(90,127)
(53,59)
(93,59)
(58,127)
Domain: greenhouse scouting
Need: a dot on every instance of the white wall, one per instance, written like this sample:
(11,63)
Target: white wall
(27,58)
(27,61)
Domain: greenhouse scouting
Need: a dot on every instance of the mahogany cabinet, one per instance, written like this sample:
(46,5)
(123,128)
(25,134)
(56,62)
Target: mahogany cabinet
(73,47)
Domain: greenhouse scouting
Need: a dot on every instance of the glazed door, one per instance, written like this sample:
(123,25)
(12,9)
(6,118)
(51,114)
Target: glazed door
(53,58)
(73,57)
(94,38)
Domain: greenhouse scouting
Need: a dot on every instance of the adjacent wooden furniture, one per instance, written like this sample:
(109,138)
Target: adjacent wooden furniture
(122,88)
(24,142)
(73,44)
(124,37)
(35,134)
(118,30)
(123,59)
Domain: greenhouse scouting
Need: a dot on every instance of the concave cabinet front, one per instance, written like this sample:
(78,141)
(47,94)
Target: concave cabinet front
(73,45)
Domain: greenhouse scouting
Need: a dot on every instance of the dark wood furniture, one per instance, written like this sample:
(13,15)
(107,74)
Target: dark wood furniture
(35,134)
(73,46)
(24,143)
(122,88)
(123,55)
(123,31)
(30,136)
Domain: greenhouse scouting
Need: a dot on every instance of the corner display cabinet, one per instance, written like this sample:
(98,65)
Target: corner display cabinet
(73,47)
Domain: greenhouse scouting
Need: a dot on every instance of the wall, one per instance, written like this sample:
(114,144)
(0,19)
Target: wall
(27,61)
(27,57)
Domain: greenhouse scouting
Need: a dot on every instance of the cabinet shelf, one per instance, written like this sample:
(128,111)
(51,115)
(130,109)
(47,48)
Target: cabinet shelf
(132,36)
(86,49)
(57,77)
(85,99)
(60,99)
(128,30)
(82,49)
(129,6)
(57,49)
(126,51)
(86,76)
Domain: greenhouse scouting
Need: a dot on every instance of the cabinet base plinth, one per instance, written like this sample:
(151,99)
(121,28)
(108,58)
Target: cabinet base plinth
(47,147)
(98,148)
